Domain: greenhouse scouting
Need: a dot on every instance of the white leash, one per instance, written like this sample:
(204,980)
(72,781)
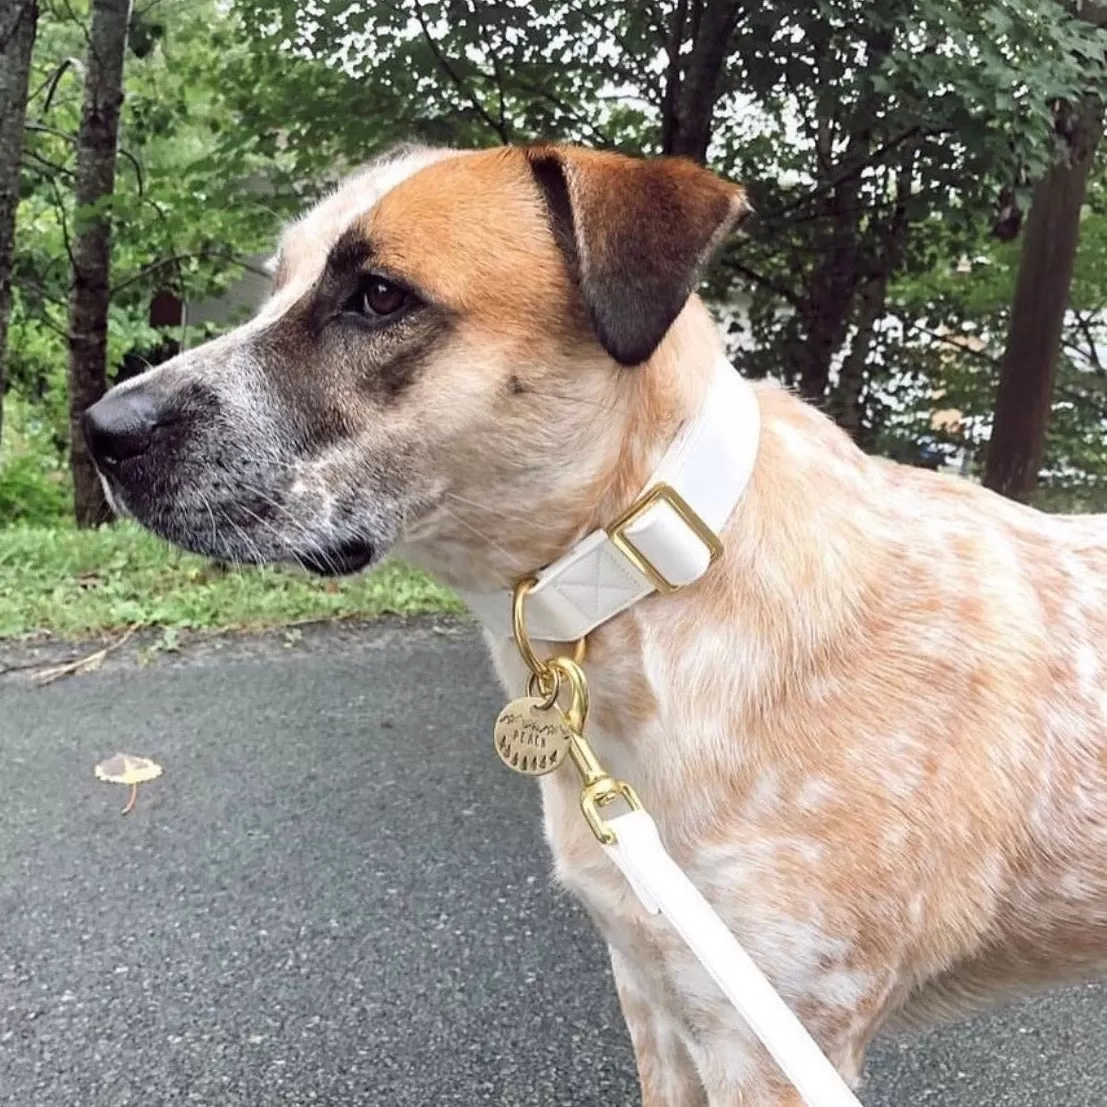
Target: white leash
(664,889)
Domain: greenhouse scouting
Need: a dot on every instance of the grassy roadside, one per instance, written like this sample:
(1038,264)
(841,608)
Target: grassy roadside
(68,583)
(72,583)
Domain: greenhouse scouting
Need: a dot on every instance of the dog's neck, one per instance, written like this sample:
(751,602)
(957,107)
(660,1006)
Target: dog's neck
(480,541)
(794,556)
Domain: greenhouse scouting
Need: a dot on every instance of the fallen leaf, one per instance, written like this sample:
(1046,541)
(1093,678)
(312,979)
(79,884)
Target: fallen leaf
(128,768)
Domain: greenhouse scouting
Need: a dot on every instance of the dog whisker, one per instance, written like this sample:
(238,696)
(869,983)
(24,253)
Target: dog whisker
(513,559)
(256,460)
(616,405)
(309,541)
(499,513)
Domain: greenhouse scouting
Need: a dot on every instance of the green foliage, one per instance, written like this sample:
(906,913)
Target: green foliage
(898,115)
(881,143)
(72,582)
(344,78)
(34,485)
(194,198)
(950,337)
(29,492)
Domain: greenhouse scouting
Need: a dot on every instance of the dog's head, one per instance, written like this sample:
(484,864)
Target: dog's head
(446,329)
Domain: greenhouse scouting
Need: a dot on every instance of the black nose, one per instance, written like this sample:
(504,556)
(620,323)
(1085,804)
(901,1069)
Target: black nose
(120,426)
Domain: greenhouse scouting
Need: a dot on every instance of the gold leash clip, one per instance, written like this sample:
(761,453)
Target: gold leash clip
(599,794)
(549,677)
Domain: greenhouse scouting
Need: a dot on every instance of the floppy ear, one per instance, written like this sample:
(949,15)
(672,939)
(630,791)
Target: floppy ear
(636,234)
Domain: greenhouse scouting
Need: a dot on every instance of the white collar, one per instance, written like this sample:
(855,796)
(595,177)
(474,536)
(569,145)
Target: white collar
(666,540)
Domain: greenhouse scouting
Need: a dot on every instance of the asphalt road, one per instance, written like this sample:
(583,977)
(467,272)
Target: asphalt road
(335,895)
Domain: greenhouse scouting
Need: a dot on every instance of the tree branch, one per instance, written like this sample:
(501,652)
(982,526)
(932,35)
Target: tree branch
(496,69)
(671,92)
(855,171)
(51,83)
(809,128)
(631,64)
(459,84)
(44,293)
(175,261)
(768,283)
(59,207)
(139,179)
(1089,359)
(75,18)
(597,136)
(1086,330)
(46,163)
(44,128)
(980,355)
(43,315)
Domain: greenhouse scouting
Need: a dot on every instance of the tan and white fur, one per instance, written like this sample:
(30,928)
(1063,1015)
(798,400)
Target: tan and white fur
(874,734)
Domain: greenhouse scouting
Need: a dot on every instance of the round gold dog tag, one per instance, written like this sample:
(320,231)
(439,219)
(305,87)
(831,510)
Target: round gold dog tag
(532,737)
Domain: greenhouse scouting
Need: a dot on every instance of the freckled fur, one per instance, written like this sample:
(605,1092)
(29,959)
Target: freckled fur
(875,735)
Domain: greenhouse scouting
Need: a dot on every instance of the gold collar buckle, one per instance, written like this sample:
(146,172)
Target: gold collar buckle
(660,494)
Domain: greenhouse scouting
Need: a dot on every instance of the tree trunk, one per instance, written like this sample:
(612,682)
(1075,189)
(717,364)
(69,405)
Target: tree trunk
(844,406)
(842,269)
(89,300)
(845,401)
(692,81)
(1038,308)
(831,292)
(18,24)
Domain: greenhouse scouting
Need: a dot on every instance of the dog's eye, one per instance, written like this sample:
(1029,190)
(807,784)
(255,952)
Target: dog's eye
(377,298)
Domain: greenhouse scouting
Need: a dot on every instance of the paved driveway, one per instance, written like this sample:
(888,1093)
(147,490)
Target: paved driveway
(336,896)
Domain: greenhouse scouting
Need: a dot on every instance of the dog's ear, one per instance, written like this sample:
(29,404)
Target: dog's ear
(636,234)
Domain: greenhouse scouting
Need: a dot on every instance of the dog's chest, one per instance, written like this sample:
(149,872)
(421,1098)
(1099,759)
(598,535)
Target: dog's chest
(808,962)
(748,867)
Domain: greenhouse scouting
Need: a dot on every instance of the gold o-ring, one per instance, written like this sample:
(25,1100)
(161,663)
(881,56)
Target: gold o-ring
(534,687)
(538,667)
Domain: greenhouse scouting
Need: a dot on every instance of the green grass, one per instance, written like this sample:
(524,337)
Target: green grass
(71,583)
(57,579)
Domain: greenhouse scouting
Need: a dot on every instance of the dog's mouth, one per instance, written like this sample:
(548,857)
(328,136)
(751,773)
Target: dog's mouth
(337,561)
(237,541)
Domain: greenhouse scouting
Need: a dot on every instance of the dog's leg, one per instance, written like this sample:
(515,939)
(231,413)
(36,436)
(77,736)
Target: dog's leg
(764,1089)
(716,1060)
(736,1071)
(666,1071)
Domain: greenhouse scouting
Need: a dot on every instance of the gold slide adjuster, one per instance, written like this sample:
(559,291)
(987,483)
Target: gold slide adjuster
(666,494)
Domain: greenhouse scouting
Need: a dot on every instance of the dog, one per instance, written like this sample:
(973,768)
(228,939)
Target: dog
(873,731)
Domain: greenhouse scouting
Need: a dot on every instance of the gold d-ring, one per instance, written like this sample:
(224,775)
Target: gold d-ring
(540,668)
